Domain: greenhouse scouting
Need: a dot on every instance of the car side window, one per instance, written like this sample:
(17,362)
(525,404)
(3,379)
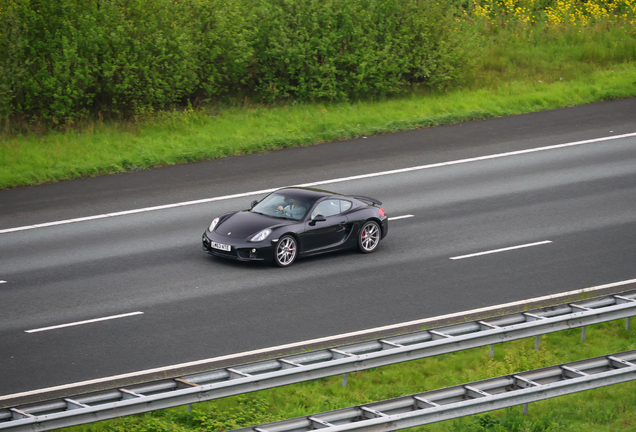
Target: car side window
(327,208)
(344,206)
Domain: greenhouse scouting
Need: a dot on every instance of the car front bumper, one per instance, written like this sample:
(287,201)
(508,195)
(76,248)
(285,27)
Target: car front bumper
(239,250)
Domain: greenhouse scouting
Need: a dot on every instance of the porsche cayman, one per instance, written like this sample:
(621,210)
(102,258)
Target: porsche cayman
(296,222)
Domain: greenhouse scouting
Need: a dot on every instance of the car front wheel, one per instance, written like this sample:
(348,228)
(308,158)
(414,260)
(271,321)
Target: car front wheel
(369,237)
(286,251)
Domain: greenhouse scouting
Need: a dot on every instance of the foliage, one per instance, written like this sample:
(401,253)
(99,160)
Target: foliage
(559,13)
(519,359)
(316,49)
(62,61)
(249,410)
(509,421)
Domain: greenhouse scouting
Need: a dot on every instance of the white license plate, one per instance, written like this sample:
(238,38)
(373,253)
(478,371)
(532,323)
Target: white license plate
(221,246)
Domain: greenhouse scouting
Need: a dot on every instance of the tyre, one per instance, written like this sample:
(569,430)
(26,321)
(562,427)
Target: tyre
(286,251)
(369,237)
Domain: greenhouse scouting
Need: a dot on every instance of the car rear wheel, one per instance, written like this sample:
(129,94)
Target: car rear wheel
(286,251)
(369,237)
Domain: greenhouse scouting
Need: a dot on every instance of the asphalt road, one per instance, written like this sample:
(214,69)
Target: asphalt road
(574,207)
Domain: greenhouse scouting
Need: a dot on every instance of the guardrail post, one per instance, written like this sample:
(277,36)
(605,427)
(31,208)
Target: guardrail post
(525,409)
(344,380)
(583,332)
(627,323)
(189,407)
(492,350)
(537,338)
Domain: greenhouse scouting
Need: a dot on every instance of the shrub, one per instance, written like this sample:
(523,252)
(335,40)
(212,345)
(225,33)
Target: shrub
(316,49)
(60,61)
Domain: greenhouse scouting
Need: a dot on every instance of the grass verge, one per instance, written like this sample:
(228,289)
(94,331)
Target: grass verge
(607,409)
(167,138)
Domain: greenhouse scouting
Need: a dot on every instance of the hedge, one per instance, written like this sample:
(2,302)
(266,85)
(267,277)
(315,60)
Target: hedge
(64,60)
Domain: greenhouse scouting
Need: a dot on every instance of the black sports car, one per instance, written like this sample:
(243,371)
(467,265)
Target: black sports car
(294,222)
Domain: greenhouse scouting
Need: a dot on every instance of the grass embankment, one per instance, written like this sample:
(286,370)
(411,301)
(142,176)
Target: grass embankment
(607,409)
(187,136)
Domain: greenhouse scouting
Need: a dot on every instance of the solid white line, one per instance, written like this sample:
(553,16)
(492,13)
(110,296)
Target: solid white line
(319,183)
(1,281)
(141,210)
(83,322)
(276,349)
(501,250)
(401,217)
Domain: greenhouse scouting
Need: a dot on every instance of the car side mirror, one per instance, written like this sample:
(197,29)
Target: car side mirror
(317,218)
(253,204)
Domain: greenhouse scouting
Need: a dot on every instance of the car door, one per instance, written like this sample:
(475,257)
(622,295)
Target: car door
(323,234)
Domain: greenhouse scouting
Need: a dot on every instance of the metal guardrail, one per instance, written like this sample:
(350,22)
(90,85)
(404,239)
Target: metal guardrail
(218,383)
(466,399)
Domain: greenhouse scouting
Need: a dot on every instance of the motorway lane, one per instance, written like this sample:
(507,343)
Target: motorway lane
(226,176)
(581,198)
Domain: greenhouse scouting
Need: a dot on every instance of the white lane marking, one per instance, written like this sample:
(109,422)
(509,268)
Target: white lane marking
(141,210)
(83,322)
(320,340)
(401,217)
(501,250)
(319,183)
(1,281)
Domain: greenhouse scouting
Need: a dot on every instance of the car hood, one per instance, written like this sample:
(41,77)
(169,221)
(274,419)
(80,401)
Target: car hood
(245,224)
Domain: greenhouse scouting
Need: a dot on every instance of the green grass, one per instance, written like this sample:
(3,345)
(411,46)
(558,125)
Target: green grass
(166,138)
(607,409)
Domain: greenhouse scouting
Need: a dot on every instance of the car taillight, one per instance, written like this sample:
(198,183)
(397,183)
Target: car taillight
(381,211)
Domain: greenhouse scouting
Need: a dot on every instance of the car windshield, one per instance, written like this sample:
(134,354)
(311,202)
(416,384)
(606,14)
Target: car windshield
(282,206)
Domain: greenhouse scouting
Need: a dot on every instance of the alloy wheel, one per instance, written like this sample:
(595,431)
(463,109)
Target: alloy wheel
(286,251)
(369,237)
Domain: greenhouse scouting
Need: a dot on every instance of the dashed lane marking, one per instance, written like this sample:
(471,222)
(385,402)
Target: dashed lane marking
(401,217)
(501,250)
(83,322)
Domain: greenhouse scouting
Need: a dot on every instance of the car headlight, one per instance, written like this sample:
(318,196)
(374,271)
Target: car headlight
(261,235)
(213,224)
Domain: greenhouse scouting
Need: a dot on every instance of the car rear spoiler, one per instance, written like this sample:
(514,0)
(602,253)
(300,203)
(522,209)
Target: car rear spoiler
(366,198)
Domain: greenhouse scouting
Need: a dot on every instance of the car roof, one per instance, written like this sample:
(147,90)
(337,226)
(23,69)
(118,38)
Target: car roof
(309,194)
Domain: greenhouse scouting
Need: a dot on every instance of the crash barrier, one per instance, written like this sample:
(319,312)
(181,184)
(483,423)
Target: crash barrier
(466,399)
(218,383)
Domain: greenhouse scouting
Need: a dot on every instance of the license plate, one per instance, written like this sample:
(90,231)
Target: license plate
(221,246)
